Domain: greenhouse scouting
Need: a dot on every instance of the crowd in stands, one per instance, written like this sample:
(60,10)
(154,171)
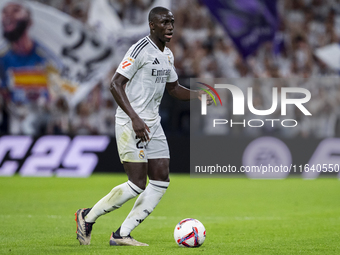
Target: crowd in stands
(202,49)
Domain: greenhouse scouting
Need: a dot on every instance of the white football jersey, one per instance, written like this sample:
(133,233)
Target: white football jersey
(148,70)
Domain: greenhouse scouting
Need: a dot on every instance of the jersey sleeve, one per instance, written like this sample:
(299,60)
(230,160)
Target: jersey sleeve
(173,75)
(131,62)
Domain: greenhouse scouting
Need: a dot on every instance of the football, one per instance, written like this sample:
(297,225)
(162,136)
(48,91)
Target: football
(189,233)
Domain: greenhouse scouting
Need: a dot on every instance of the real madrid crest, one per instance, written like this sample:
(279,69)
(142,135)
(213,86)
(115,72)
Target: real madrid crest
(141,154)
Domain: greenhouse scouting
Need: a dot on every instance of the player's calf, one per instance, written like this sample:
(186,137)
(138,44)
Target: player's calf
(144,205)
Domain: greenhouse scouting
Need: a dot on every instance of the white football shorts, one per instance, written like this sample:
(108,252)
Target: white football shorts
(131,149)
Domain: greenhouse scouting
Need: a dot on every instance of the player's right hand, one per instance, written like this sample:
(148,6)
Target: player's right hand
(141,129)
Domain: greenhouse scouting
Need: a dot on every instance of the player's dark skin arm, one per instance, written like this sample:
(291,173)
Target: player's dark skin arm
(178,91)
(117,89)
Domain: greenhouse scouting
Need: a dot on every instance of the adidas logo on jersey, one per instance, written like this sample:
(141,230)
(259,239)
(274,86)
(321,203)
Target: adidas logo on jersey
(155,62)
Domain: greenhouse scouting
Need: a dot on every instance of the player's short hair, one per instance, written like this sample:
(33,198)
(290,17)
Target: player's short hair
(157,10)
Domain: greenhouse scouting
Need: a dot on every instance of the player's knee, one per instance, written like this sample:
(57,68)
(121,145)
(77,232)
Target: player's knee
(163,177)
(139,183)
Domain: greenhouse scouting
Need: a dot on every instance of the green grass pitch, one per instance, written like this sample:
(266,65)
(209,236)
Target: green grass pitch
(241,216)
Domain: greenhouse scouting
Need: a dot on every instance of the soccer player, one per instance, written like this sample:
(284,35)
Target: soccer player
(138,86)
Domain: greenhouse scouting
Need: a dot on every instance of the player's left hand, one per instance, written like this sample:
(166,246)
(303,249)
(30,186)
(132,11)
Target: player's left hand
(209,98)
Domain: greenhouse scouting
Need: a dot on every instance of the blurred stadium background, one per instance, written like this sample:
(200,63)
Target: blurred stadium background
(302,44)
